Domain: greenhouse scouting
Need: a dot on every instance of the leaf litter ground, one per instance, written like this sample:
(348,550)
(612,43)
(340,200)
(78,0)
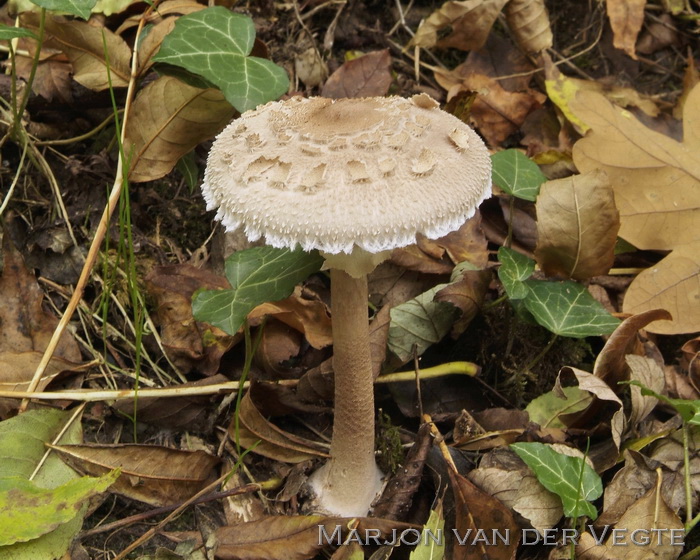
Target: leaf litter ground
(520,359)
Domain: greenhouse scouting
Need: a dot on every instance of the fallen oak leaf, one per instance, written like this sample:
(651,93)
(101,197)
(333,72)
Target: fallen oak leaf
(657,190)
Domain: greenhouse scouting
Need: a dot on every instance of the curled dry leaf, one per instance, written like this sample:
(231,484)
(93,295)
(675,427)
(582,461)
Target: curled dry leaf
(597,387)
(169,118)
(252,430)
(366,76)
(17,370)
(310,317)
(152,474)
(165,9)
(626,19)
(83,45)
(577,224)
(648,373)
(528,22)
(470,21)
(610,365)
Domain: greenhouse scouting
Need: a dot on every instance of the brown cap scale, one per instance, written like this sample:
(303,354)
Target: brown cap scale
(353,178)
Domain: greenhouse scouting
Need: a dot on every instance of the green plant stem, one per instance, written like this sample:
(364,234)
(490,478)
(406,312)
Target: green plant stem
(690,555)
(80,138)
(498,301)
(91,395)
(686,477)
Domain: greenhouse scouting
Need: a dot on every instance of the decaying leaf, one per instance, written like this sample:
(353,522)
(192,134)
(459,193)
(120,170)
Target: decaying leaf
(470,21)
(25,324)
(501,473)
(648,373)
(310,317)
(577,224)
(657,191)
(528,21)
(187,342)
(497,111)
(477,510)
(169,118)
(366,76)
(626,19)
(149,473)
(83,45)
(610,365)
(252,430)
(648,529)
(604,394)
(672,284)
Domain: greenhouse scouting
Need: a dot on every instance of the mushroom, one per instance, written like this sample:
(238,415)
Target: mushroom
(354,179)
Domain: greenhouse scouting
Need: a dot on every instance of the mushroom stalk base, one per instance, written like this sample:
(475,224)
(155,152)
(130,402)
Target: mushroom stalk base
(350,481)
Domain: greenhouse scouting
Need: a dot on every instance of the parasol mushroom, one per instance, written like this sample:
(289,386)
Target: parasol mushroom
(353,178)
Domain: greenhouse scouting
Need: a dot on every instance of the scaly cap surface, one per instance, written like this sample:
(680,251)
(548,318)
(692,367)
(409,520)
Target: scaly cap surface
(333,174)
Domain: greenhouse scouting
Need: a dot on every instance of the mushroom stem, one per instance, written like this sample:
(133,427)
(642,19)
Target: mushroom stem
(350,481)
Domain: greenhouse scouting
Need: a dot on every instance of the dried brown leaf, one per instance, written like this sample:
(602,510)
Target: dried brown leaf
(466,294)
(656,179)
(477,510)
(310,317)
(497,112)
(252,430)
(626,19)
(577,224)
(470,21)
(647,372)
(52,79)
(593,414)
(189,344)
(366,76)
(25,324)
(610,364)
(168,119)
(529,23)
(651,517)
(167,8)
(152,474)
(657,190)
(84,45)
(672,284)
(396,499)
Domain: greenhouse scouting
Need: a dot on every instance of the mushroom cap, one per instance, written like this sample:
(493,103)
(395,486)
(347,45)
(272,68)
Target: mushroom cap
(337,174)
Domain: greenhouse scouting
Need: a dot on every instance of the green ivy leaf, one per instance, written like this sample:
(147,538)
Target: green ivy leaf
(28,511)
(547,409)
(215,43)
(567,309)
(9,32)
(419,322)
(427,548)
(256,276)
(562,474)
(514,270)
(80,8)
(516,174)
